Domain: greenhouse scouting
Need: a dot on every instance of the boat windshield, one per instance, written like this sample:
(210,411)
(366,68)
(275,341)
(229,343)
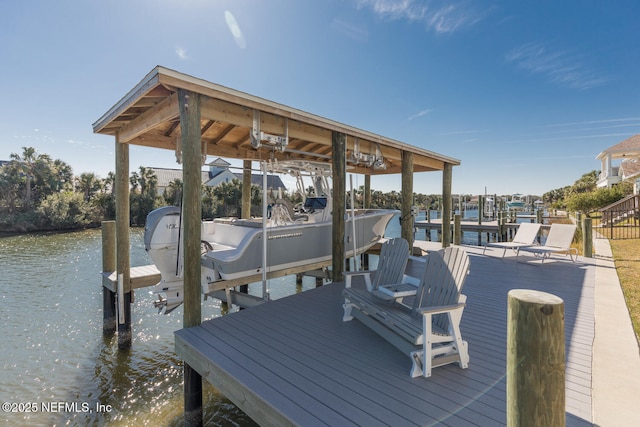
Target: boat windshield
(315,203)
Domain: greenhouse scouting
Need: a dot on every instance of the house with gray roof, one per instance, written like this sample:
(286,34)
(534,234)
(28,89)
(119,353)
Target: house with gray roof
(218,173)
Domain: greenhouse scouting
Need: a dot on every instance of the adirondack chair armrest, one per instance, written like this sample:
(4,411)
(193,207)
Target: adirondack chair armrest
(441,309)
(348,275)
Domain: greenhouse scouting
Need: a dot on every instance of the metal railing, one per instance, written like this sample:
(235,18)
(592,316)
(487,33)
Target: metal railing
(620,220)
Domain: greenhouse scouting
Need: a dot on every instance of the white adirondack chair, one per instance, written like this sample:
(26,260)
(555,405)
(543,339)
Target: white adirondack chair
(392,263)
(525,236)
(428,331)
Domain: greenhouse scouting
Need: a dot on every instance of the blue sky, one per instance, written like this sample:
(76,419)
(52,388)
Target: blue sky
(525,94)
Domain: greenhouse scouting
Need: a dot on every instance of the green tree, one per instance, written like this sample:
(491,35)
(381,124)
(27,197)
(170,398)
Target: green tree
(173,193)
(587,183)
(64,210)
(11,183)
(145,200)
(230,195)
(88,184)
(27,165)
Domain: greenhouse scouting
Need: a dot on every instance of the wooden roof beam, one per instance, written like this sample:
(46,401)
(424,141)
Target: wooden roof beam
(164,111)
(222,134)
(227,112)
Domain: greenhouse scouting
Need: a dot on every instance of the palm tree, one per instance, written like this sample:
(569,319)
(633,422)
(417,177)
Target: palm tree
(148,181)
(134,180)
(88,183)
(173,194)
(25,165)
(109,181)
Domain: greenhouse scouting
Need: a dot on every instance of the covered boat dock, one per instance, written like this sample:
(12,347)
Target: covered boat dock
(195,118)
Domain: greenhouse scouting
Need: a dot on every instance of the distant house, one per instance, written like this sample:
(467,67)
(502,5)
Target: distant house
(166,176)
(218,173)
(621,162)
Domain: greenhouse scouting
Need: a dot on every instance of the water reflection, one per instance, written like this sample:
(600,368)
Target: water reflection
(53,349)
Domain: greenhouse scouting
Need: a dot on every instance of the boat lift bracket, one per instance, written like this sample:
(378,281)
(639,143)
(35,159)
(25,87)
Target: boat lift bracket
(259,138)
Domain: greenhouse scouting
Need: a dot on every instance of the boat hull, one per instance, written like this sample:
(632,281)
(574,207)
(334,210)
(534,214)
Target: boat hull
(234,247)
(292,246)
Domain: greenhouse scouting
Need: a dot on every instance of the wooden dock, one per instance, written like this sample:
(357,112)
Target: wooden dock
(469,226)
(294,362)
(140,277)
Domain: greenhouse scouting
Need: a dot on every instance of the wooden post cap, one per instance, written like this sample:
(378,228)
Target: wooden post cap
(535,297)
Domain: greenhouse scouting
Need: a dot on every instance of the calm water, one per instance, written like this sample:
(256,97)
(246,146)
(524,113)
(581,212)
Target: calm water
(53,350)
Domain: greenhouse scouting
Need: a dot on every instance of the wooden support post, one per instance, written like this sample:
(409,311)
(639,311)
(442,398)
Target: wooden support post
(406,226)
(246,189)
(457,229)
(192,397)
(246,201)
(123,262)
(366,199)
(338,144)
(108,265)
(587,238)
(446,204)
(480,213)
(189,105)
(366,204)
(535,359)
(579,220)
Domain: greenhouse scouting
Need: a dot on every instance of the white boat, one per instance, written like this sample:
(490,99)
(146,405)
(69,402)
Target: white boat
(516,202)
(233,248)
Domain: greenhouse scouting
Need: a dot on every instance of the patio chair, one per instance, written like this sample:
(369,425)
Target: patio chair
(558,242)
(428,331)
(525,236)
(392,263)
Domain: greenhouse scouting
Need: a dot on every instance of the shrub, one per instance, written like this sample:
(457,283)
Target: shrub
(61,211)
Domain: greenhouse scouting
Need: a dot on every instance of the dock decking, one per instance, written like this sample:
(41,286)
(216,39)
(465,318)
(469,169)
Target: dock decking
(294,362)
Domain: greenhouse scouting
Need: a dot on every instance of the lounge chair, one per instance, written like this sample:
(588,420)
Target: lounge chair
(429,330)
(558,242)
(525,236)
(392,262)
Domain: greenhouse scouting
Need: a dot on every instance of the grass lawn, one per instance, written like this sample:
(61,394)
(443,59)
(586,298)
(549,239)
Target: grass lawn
(626,253)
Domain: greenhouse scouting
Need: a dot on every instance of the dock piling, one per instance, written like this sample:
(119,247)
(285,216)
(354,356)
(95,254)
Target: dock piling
(123,258)
(587,238)
(535,359)
(108,264)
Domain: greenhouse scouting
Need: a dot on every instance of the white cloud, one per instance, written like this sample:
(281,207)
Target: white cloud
(419,114)
(564,68)
(182,54)
(439,16)
(350,29)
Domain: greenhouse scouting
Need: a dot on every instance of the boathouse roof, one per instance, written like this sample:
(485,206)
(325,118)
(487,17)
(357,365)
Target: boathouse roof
(148,115)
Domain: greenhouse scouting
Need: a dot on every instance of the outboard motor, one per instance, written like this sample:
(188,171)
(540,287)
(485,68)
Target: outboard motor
(162,243)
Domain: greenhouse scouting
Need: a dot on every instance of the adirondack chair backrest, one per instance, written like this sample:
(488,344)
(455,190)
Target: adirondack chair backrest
(527,233)
(392,262)
(442,282)
(560,235)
